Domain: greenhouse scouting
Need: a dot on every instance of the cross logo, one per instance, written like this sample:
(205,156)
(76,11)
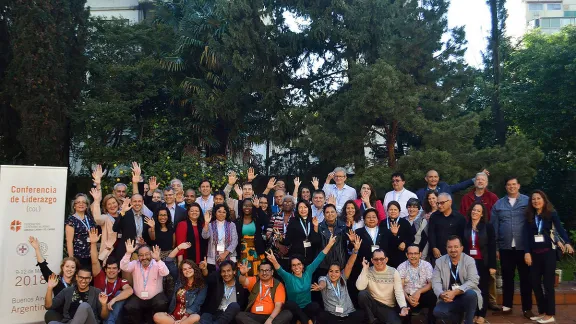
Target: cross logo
(15,225)
(22,249)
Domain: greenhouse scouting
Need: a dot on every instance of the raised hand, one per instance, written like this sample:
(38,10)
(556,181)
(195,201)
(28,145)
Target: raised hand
(94,236)
(126,206)
(53,281)
(130,247)
(357,244)
(232,178)
(329,177)
(315,287)
(238,192)
(96,194)
(34,242)
(332,240)
(315,221)
(297,182)
(204,264)
(365,264)
(486,171)
(152,184)
(271,183)
(156,253)
(332,200)
(394,227)
(251,174)
(255,201)
(366,198)
(352,235)
(243,267)
(315,183)
(184,246)
(136,172)
(150,222)
(270,256)
(97,174)
(103,299)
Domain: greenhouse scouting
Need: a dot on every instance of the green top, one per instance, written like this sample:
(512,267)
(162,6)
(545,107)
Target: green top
(298,289)
(249,229)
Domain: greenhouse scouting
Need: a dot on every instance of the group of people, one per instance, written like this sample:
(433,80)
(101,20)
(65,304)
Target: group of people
(320,255)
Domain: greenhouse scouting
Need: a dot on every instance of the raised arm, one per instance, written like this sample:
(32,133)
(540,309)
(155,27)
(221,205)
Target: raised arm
(95,207)
(297,184)
(52,282)
(70,240)
(269,186)
(136,172)
(352,259)
(270,256)
(243,269)
(94,237)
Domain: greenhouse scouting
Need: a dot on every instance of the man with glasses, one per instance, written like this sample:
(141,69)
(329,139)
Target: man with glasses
(380,289)
(444,223)
(340,190)
(266,299)
(80,303)
(399,194)
(432,178)
(416,275)
(147,272)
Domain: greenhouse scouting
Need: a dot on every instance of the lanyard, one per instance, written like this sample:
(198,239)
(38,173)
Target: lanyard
(539,222)
(410,274)
(375,237)
(87,224)
(265,294)
(64,283)
(145,279)
(473,238)
(388,221)
(454,275)
(111,218)
(113,288)
(307,232)
(228,293)
(399,195)
(337,291)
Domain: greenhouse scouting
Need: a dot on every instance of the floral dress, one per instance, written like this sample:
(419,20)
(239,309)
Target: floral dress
(180,310)
(81,234)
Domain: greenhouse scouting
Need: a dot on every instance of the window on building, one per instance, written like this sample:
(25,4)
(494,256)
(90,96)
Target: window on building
(545,23)
(535,6)
(567,21)
(569,13)
(554,22)
(554,6)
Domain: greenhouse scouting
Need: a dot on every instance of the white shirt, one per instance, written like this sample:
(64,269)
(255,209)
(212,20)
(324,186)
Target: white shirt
(401,197)
(205,204)
(341,195)
(172,210)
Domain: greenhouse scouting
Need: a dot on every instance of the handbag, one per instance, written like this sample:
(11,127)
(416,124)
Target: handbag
(554,237)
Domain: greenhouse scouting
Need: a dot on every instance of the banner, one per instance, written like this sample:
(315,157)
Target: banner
(32,203)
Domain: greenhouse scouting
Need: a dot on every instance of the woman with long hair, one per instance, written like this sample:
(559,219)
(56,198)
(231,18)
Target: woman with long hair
(368,200)
(189,293)
(351,215)
(191,231)
(542,227)
(305,194)
(77,228)
(429,204)
(302,233)
(222,236)
(480,239)
(251,246)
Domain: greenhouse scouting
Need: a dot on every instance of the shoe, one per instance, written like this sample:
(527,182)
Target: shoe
(550,320)
(537,317)
(528,314)
(494,307)
(506,310)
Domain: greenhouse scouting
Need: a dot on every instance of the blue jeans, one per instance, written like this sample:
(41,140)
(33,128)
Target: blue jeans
(114,315)
(453,312)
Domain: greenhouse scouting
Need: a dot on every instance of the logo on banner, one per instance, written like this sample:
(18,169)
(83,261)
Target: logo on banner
(15,225)
(22,249)
(43,248)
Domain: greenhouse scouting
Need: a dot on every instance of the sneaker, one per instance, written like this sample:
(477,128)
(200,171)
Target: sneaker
(543,321)
(528,314)
(537,317)
(506,310)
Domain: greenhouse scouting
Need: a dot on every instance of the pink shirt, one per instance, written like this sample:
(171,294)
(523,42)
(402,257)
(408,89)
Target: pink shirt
(153,274)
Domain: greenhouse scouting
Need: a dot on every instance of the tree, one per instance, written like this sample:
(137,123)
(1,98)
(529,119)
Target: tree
(498,20)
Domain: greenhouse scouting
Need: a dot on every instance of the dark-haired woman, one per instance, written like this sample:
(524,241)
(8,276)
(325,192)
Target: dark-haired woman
(338,307)
(299,298)
(162,233)
(368,200)
(302,233)
(399,233)
(542,226)
(189,292)
(351,215)
(429,204)
(222,236)
(331,225)
(480,239)
(251,246)
(190,230)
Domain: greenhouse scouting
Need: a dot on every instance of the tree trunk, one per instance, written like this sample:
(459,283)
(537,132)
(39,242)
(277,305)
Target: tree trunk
(500,126)
(391,136)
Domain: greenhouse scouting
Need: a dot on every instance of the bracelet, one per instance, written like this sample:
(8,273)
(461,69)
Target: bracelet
(354,251)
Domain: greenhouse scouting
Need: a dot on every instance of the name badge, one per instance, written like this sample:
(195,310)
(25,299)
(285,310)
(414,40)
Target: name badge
(339,309)
(144,294)
(259,308)
(473,252)
(374,248)
(220,247)
(119,235)
(455,286)
(307,244)
(539,238)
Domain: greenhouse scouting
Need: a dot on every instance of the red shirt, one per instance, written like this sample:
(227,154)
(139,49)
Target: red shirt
(110,288)
(488,199)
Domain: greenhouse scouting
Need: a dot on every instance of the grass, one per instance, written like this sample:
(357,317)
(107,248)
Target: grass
(568,266)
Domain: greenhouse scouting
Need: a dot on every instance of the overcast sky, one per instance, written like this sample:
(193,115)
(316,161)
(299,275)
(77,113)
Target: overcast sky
(475,15)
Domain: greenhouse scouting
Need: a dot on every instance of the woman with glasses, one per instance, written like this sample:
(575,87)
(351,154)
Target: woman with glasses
(298,282)
(419,225)
(78,228)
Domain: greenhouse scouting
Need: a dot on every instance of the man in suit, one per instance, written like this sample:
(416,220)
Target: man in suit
(131,225)
(177,213)
(455,283)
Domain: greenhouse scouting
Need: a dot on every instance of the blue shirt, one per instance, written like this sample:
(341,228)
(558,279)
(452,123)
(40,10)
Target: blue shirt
(509,221)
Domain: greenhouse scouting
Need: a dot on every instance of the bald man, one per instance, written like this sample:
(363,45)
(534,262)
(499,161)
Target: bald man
(433,180)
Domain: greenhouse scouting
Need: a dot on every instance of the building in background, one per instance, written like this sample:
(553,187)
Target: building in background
(550,15)
(132,10)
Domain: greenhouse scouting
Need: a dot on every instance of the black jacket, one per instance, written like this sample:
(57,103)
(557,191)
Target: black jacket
(382,240)
(126,226)
(486,242)
(180,212)
(216,293)
(405,235)
(338,253)
(295,237)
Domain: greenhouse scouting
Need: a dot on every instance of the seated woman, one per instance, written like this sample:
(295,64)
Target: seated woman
(189,292)
(68,268)
(338,307)
(298,284)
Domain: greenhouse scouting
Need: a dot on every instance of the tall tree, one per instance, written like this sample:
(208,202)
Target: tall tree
(498,17)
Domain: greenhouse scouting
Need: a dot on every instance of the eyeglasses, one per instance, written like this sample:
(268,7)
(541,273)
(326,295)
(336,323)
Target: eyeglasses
(265,270)
(413,253)
(84,278)
(378,259)
(413,206)
(440,203)
(144,255)
(396,180)
(339,177)
(80,203)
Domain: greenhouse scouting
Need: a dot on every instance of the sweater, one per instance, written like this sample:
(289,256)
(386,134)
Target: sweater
(384,286)
(488,199)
